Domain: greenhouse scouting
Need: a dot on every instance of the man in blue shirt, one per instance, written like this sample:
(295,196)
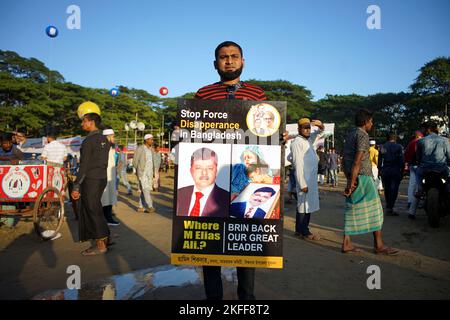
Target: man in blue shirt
(390,165)
(433,152)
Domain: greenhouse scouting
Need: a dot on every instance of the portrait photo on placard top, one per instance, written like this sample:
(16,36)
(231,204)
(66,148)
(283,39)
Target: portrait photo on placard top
(263,120)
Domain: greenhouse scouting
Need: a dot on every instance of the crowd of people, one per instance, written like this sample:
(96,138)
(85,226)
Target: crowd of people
(368,171)
(57,154)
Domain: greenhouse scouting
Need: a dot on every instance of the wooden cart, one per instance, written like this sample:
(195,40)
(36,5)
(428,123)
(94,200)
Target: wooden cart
(37,191)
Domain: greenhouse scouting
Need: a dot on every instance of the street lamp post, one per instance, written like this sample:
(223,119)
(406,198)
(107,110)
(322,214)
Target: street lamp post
(127,128)
(135,125)
(160,138)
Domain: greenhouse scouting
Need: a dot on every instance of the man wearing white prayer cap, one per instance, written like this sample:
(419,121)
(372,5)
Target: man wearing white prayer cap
(109,196)
(143,162)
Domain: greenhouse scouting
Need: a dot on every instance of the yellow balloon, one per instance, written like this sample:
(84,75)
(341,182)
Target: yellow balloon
(87,107)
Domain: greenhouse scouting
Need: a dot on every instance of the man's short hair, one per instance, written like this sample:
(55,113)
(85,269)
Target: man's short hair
(265,189)
(391,136)
(6,137)
(227,44)
(94,117)
(51,132)
(431,125)
(203,154)
(362,116)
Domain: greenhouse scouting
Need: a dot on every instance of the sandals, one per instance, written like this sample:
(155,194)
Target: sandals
(93,251)
(354,250)
(387,251)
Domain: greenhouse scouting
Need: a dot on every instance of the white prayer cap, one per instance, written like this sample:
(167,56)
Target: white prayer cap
(148,136)
(108,132)
(372,142)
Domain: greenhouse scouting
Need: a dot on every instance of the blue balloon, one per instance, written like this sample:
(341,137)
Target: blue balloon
(51,31)
(114,92)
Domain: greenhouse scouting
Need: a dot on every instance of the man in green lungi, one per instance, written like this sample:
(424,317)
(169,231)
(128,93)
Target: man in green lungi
(363,210)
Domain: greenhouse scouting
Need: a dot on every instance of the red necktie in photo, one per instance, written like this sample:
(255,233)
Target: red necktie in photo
(195,212)
(249,211)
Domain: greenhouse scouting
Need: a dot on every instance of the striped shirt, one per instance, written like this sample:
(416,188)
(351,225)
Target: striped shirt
(54,152)
(219,91)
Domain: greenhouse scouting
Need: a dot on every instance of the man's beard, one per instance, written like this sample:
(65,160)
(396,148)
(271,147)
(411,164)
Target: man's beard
(230,75)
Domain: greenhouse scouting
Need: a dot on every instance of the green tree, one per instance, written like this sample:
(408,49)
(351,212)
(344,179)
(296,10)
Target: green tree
(340,110)
(298,98)
(32,68)
(432,88)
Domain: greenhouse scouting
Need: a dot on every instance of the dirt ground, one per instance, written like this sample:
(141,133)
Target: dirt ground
(317,270)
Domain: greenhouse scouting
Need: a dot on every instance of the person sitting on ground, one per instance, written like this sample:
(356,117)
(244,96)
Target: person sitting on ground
(8,151)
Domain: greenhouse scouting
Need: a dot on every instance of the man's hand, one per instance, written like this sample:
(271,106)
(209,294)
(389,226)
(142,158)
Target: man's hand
(304,190)
(349,190)
(318,124)
(285,136)
(75,195)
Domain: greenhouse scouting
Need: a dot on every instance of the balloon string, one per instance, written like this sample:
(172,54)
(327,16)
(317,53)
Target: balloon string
(49,70)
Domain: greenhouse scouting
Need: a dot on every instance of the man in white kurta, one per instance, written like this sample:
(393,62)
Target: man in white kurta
(109,196)
(306,164)
(143,161)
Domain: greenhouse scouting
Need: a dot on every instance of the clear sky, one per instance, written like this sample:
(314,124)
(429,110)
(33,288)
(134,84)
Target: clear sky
(323,45)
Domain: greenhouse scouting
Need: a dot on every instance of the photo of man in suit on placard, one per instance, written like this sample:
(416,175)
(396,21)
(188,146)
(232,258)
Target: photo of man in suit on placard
(252,208)
(204,198)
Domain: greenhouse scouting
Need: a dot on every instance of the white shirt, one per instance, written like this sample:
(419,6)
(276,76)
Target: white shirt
(305,162)
(206,192)
(55,152)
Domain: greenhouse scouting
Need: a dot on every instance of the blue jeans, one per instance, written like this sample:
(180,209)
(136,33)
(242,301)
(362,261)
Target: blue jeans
(333,176)
(123,177)
(302,223)
(391,183)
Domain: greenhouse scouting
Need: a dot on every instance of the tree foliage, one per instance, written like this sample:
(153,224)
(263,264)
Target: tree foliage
(298,98)
(32,96)
(431,89)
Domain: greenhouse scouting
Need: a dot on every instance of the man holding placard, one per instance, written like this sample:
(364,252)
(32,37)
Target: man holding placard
(229,63)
